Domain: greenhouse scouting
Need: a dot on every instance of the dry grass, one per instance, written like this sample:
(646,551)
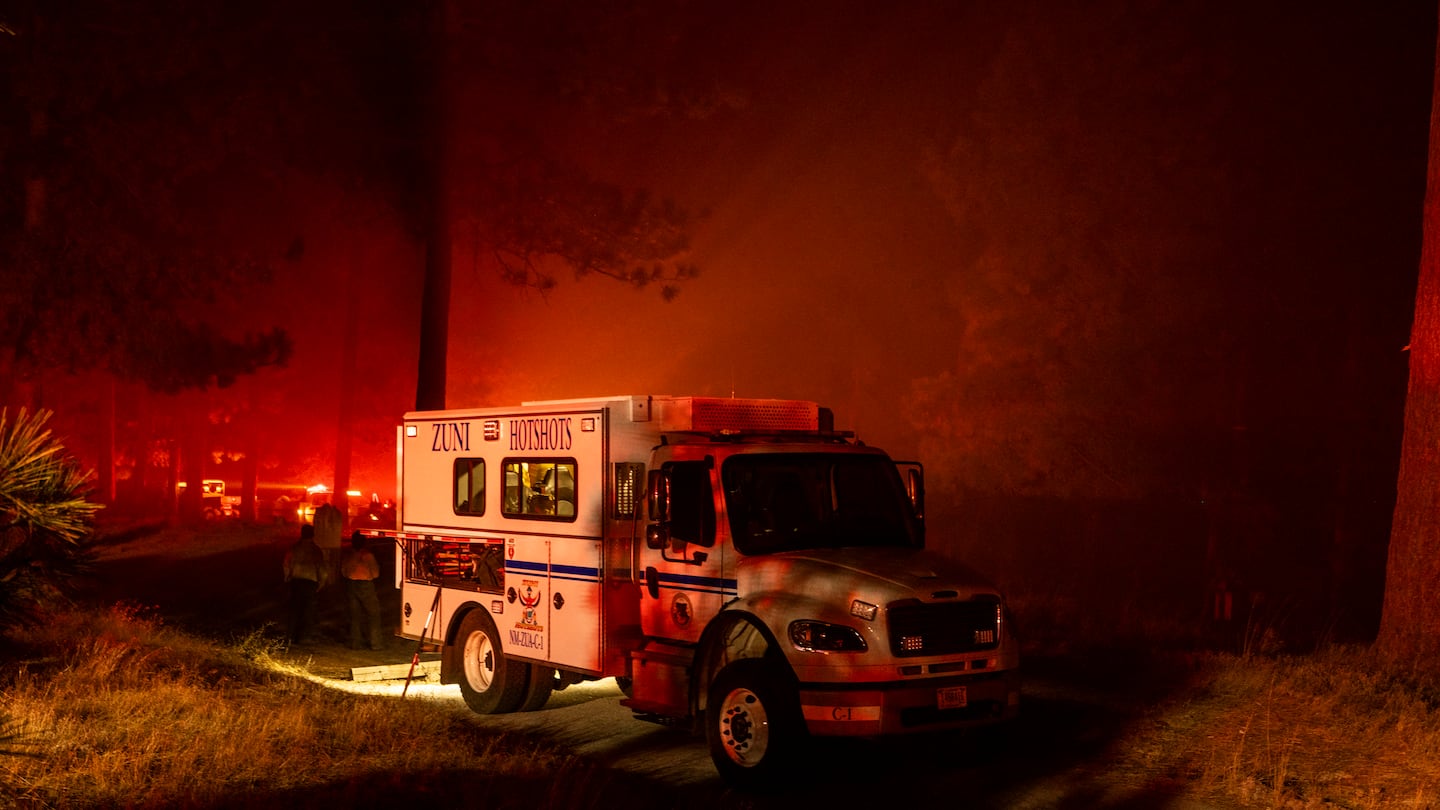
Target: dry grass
(113,709)
(1330,730)
(1260,728)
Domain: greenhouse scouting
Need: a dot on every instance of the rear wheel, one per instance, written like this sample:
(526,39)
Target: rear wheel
(626,684)
(537,691)
(753,724)
(490,683)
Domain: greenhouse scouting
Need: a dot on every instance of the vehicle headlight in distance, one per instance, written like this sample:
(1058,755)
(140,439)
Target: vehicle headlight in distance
(822,637)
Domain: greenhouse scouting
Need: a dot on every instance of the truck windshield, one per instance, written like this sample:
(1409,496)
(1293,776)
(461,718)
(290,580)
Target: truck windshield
(791,501)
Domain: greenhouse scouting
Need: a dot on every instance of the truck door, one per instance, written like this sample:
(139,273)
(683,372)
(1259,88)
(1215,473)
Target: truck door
(681,574)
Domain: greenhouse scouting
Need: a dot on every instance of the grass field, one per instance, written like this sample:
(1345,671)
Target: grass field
(113,707)
(1329,729)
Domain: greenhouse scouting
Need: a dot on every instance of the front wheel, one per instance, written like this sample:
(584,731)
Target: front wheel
(753,724)
(490,683)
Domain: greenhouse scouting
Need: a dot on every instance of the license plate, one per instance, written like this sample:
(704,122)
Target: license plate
(951,697)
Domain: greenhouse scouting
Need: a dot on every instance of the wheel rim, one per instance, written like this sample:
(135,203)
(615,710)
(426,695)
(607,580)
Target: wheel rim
(479,661)
(744,727)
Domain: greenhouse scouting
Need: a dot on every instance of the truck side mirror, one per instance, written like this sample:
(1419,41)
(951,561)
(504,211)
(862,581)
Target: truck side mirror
(657,500)
(916,486)
(913,475)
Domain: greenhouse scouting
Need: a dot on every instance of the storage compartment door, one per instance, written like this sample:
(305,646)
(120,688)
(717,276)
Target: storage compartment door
(574,602)
(525,629)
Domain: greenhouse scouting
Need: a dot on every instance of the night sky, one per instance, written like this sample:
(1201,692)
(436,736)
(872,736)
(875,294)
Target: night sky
(1143,253)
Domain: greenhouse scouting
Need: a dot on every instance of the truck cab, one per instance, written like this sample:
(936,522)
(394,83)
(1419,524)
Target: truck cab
(787,589)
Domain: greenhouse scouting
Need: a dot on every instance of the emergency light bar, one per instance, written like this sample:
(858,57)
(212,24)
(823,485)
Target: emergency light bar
(721,415)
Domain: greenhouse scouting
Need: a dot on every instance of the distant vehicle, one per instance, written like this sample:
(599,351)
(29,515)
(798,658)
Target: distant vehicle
(374,514)
(214,503)
(315,497)
(378,514)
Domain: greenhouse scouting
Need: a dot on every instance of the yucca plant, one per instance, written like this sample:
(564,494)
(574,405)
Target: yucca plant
(45,517)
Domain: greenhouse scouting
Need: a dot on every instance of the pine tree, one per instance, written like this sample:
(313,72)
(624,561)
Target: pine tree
(45,516)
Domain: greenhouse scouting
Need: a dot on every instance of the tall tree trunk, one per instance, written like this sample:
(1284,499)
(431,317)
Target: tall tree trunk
(435,294)
(193,449)
(250,465)
(171,493)
(349,371)
(434,313)
(35,185)
(105,466)
(1410,621)
(22,390)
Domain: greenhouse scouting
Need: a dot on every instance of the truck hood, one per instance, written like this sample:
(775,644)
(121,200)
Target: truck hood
(879,573)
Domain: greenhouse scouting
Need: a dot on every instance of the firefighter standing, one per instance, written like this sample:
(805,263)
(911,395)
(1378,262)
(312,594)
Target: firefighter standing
(306,572)
(360,569)
(329,525)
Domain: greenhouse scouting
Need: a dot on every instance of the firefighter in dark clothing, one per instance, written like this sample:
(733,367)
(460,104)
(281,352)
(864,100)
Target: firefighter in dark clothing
(306,572)
(360,569)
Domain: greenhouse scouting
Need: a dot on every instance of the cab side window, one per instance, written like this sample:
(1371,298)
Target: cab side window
(692,502)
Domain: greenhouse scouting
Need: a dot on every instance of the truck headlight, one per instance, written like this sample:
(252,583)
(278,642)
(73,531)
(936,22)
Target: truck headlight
(821,637)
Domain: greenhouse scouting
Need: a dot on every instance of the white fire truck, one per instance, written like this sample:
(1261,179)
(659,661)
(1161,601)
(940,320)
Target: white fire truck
(736,564)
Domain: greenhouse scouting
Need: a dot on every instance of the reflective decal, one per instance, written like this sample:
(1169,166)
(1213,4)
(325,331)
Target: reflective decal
(529,598)
(528,632)
(680,609)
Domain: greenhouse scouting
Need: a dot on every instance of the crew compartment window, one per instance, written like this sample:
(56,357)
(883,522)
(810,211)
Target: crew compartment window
(469,486)
(540,488)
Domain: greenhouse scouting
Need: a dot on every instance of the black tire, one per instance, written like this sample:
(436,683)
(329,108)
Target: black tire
(491,683)
(753,724)
(626,684)
(537,691)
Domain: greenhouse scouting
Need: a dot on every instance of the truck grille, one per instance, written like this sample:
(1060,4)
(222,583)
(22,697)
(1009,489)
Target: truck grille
(945,628)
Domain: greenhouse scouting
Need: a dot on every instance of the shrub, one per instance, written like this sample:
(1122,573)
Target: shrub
(45,517)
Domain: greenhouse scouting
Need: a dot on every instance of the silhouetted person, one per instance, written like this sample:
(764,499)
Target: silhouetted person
(282,512)
(329,525)
(360,569)
(306,572)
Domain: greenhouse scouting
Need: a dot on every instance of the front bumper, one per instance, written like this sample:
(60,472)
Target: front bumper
(875,709)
